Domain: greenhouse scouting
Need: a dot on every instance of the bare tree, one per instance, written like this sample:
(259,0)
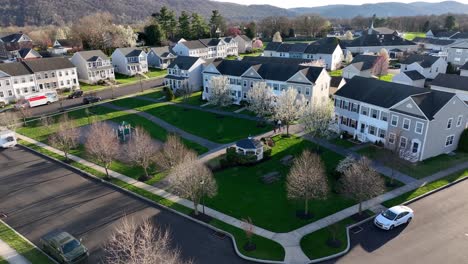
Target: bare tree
(318,119)
(260,99)
(102,144)
(361,182)
(248,227)
(384,53)
(172,153)
(25,112)
(277,37)
(219,91)
(192,180)
(380,67)
(140,244)
(307,179)
(10,120)
(348,35)
(66,137)
(289,107)
(141,149)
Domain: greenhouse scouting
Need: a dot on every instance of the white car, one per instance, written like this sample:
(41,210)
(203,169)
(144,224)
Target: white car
(393,217)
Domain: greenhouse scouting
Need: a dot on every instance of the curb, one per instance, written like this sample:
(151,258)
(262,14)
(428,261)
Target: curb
(339,254)
(29,242)
(151,202)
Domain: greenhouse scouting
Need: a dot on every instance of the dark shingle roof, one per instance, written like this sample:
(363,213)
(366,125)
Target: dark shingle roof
(464,67)
(92,55)
(431,102)
(14,69)
(48,64)
(12,37)
(461,35)
(263,59)
(70,42)
(163,52)
(452,81)
(25,51)
(426,61)
(299,47)
(335,81)
(184,62)
(249,143)
(131,52)
(194,44)
(321,48)
(433,41)
(210,42)
(376,92)
(273,46)
(414,75)
(234,68)
(364,62)
(444,34)
(379,40)
(284,47)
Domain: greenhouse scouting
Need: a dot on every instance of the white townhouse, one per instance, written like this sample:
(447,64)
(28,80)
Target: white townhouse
(185,72)
(160,57)
(93,66)
(452,83)
(362,65)
(130,61)
(413,78)
(18,79)
(418,122)
(312,82)
(428,66)
(327,50)
(458,53)
(244,43)
(206,48)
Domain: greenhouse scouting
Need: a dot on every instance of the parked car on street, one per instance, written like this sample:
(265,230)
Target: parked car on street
(91,99)
(393,217)
(3,102)
(37,99)
(75,94)
(64,248)
(7,139)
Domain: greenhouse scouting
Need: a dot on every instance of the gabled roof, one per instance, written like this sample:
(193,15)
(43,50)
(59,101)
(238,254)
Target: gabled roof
(431,102)
(284,47)
(228,39)
(426,61)
(460,35)
(384,30)
(184,62)
(364,62)
(299,47)
(376,92)
(48,64)
(69,43)
(234,68)
(273,46)
(25,51)
(163,52)
(249,143)
(14,69)
(245,38)
(433,41)
(414,75)
(323,46)
(131,52)
(335,81)
(264,59)
(464,67)
(451,81)
(12,37)
(210,42)
(92,55)
(379,40)
(194,44)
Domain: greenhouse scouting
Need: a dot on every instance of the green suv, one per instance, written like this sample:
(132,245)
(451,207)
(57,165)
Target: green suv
(64,248)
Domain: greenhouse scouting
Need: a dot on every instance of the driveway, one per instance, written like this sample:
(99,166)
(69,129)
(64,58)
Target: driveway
(39,196)
(437,234)
(105,94)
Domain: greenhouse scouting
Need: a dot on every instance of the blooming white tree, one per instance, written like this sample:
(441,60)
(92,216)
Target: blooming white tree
(345,164)
(260,99)
(318,119)
(289,107)
(348,35)
(277,37)
(219,93)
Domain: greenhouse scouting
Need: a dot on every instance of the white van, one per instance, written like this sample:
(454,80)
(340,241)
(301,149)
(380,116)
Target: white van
(7,139)
(37,99)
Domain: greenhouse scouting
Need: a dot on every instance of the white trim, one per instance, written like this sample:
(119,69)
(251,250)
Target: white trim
(416,127)
(449,121)
(390,136)
(403,124)
(459,120)
(410,97)
(397,120)
(446,139)
(406,142)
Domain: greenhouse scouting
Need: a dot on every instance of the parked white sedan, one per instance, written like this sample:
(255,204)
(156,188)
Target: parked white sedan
(393,217)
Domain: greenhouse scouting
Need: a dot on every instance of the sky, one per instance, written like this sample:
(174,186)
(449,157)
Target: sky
(311,3)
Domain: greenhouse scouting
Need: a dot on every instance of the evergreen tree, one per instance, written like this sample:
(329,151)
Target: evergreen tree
(217,22)
(450,22)
(154,34)
(251,30)
(167,20)
(199,27)
(426,26)
(184,26)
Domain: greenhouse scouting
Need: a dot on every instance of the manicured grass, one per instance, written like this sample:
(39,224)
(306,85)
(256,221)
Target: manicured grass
(387,77)
(124,79)
(342,142)
(21,246)
(90,87)
(335,73)
(421,169)
(156,73)
(315,245)
(155,95)
(426,188)
(217,128)
(193,99)
(242,194)
(413,35)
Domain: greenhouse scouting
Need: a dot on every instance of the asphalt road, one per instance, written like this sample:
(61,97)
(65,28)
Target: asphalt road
(437,234)
(39,196)
(104,94)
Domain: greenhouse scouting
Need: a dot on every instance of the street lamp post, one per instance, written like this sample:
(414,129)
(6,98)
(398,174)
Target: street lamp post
(203,195)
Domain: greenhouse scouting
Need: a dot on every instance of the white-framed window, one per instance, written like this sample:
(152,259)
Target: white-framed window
(382,133)
(364,110)
(394,120)
(338,103)
(406,123)
(418,129)
(449,123)
(345,105)
(372,130)
(383,116)
(449,140)
(459,120)
(415,147)
(403,142)
(375,113)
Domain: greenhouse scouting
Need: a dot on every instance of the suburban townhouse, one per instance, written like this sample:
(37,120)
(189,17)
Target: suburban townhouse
(130,61)
(28,54)
(244,43)
(12,43)
(310,81)
(411,77)
(207,48)
(419,123)
(185,72)
(18,79)
(376,42)
(160,57)
(327,50)
(433,45)
(63,46)
(93,66)
(452,83)
(426,65)
(464,70)
(458,53)
(362,65)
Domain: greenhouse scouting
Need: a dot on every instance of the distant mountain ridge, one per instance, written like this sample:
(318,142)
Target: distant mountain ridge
(45,12)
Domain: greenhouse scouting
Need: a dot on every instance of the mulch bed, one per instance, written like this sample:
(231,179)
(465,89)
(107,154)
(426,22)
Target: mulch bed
(201,217)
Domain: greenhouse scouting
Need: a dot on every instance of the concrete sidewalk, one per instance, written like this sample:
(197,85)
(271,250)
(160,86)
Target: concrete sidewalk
(10,255)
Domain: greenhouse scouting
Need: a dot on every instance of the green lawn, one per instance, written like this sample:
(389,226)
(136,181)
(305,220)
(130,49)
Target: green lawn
(421,169)
(413,35)
(335,73)
(220,129)
(156,73)
(342,142)
(90,87)
(155,95)
(194,99)
(241,193)
(387,77)
(21,246)
(426,188)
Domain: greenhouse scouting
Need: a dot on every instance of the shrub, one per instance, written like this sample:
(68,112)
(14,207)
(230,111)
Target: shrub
(463,143)
(169,93)
(267,153)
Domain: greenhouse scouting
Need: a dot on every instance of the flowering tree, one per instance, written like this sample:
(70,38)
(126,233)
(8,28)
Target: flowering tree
(318,119)
(289,107)
(260,99)
(220,93)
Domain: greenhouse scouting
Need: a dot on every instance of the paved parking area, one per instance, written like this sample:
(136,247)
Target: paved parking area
(437,234)
(39,196)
